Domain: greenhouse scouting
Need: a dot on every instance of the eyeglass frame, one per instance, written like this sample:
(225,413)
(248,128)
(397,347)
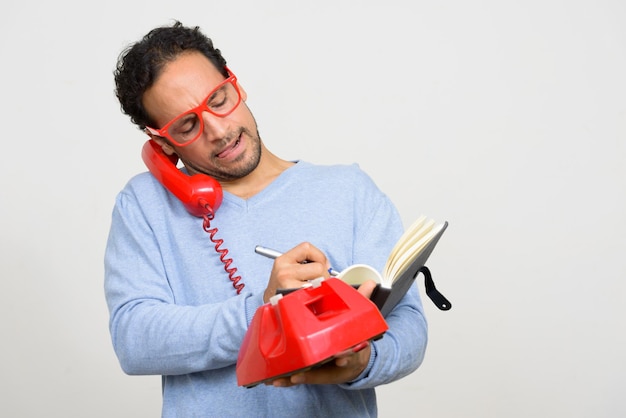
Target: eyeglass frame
(198,110)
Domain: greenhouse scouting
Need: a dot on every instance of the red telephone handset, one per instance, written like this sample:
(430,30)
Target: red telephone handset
(200,194)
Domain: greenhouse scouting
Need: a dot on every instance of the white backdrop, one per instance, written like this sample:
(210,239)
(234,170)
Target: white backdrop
(506,118)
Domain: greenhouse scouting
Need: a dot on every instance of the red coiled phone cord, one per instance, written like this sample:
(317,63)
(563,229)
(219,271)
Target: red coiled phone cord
(223,252)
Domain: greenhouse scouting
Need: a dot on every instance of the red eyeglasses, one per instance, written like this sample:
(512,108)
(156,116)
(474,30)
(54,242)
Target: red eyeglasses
(188,126)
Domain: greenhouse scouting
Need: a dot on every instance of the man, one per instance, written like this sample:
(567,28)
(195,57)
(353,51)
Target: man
(174,311)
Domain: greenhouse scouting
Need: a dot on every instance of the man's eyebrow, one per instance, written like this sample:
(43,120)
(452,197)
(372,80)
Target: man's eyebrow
(222,87)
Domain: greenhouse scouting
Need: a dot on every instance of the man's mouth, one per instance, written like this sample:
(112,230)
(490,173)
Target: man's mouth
(226,151)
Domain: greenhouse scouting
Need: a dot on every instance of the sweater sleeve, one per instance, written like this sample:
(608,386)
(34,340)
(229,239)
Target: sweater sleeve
(151,332)
(402,348)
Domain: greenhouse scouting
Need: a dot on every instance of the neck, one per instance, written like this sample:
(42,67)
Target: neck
(269,168)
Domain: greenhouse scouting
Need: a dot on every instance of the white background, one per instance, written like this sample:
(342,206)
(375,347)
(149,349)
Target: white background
(505,118)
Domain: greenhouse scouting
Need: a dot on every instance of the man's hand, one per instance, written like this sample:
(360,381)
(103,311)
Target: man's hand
(367,287)
(345,367)
(291,270)
(295,267)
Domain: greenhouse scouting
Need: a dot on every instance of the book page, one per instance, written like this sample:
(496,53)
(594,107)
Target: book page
(407,239)
(409,246)
(356,274)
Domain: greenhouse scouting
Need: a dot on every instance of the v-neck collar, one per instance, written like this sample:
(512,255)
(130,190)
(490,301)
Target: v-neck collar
(276,184)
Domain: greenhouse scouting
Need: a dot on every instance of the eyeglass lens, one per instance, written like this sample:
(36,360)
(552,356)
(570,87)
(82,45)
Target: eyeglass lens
(188,126)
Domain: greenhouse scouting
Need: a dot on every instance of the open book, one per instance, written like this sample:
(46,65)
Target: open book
(407,259)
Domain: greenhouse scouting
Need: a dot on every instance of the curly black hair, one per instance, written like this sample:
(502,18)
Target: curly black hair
(139,65)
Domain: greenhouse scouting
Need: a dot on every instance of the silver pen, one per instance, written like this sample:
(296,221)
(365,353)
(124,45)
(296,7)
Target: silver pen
(269,253)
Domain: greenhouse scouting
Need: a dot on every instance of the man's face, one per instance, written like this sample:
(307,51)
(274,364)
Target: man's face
(230,147)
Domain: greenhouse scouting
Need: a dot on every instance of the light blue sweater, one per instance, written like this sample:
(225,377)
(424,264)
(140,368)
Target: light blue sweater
(174,312)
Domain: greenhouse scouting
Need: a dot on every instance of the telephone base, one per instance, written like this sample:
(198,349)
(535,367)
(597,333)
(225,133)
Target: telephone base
(305,329)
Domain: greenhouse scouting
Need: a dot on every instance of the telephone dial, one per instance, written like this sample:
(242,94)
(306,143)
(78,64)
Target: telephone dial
(199,193)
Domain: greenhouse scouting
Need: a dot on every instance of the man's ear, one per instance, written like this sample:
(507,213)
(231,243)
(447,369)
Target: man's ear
(244,95)
(162,142)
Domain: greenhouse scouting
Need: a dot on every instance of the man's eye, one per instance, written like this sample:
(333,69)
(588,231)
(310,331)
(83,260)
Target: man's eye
(218,99)
(185,127)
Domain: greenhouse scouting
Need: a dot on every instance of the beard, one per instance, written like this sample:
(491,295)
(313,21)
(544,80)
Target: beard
(240,167)
(245,163)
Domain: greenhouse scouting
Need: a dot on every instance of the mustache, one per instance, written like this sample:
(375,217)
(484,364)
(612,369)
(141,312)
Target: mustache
(233,136)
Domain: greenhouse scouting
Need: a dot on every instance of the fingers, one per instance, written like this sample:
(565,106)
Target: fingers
(307,255)
(343,369)
(297,266)
(344,358)
(350,351)
(367,288)
(283,382)
(300,264)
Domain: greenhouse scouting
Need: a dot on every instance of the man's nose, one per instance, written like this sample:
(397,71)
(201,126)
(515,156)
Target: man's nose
(215,127)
